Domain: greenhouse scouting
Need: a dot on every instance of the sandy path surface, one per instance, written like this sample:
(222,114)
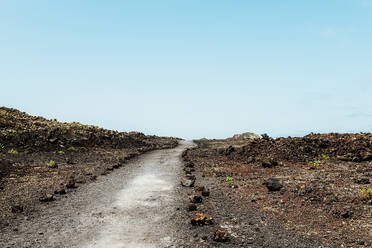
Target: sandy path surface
(132,207)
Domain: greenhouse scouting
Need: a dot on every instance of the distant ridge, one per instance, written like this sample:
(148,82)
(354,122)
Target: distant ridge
(244,136)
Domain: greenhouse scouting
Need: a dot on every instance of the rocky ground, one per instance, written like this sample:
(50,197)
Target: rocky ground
(313,191)
(43,160)
(133,207)
(247,191)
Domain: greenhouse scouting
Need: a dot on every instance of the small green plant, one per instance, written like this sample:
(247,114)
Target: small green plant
(13,152)
(314,164)
(52,164)
(325,157)
(229,180)
(60,152)
(366,194)
(71,149)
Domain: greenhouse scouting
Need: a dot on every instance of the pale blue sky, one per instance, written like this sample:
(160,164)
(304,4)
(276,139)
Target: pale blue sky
(191,68)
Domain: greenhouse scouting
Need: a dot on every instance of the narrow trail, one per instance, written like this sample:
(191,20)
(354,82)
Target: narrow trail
(132,207)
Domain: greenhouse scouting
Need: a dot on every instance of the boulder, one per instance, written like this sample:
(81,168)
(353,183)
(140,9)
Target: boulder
(273,184)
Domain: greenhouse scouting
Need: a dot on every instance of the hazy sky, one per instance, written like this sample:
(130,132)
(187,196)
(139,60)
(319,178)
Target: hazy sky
(191,68)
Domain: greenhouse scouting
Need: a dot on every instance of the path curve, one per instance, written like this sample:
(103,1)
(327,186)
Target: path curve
(132,207)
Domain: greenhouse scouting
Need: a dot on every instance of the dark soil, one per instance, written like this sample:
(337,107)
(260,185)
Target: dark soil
(40,157)
(287,192)
(135,206)
(313,191)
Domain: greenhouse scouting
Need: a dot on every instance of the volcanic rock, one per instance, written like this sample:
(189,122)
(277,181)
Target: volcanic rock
(229,150)
(191,206)
(17,209)
(60,191)
(269,163)
(362,181)
(70,184)
(201,220)
(273,184)
(195,198)
(189,165)
(198,188)
(205,192)
(186,182)
(221,235)
(188,170)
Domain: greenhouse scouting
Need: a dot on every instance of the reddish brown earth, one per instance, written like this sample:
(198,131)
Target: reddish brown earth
(315,195)
(262,192)
(81,153)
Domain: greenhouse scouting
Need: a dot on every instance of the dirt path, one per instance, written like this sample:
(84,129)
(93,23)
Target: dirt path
(142,204)
(133,207)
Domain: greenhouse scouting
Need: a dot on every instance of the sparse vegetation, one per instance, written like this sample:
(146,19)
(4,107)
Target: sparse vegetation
(71,148)
(325,157)
(84,135)
(229,180)
(13,152)
(325,178)
(314,164)
(366,194)
(49,154)
(52,164)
